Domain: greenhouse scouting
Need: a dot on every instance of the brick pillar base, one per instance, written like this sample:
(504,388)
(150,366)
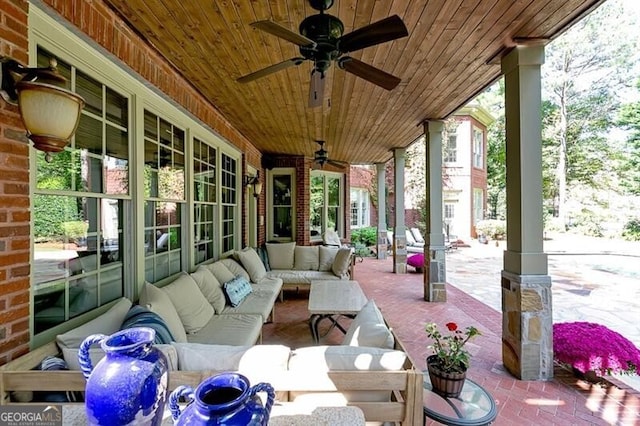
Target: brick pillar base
(527,335)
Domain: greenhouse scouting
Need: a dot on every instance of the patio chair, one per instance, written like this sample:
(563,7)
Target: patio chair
(411,241)
(417,235)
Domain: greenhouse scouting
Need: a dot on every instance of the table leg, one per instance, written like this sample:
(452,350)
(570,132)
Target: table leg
(313,325)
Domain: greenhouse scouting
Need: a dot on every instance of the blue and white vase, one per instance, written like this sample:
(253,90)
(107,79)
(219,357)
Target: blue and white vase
(130,384)
(224,399)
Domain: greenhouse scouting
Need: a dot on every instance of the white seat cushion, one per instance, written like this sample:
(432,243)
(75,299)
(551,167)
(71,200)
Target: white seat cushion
(159,302)
(281,255)
(369,329)
(192,307)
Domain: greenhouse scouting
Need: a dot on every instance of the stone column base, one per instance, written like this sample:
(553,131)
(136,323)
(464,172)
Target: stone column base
(527,333)
(435,277)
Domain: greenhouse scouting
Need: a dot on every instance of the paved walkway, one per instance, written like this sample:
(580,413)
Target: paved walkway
(594,279)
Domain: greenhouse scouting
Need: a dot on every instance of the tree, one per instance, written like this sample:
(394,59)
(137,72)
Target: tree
(630,120)
(584,72)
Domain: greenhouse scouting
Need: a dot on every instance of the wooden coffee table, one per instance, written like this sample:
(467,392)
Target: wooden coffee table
(331,299)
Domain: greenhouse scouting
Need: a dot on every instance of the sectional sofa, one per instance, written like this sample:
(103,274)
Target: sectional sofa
(201,334)
(298,265)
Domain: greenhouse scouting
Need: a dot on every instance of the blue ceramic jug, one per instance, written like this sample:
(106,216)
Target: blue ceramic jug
(224,399)
(130,384)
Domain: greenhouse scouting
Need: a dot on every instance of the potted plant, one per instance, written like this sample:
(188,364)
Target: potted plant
(593,350)
(448,365)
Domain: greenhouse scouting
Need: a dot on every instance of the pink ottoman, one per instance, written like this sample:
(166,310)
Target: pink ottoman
(417,261)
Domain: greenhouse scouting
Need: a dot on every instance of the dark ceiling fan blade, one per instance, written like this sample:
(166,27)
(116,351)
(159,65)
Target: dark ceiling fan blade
(369,73)
(270,70)
(316,89)
(382,31)
(284,33)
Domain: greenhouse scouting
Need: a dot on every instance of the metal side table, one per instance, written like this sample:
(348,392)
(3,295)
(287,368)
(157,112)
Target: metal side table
(474,407)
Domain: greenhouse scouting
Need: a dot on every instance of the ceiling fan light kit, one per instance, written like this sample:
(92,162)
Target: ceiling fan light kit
(321,41)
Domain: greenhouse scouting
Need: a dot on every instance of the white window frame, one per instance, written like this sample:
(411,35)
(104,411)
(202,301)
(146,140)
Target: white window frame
(325,208)
(271,174)
(360,200)
(478,148)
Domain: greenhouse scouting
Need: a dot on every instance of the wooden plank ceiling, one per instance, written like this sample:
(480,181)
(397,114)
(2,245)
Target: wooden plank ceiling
(447,59)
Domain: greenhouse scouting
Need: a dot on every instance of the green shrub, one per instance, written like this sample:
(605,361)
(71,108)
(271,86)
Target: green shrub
(366,236)
(631,231)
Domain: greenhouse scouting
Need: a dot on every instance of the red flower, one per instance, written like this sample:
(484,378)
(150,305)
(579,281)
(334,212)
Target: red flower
(452,326)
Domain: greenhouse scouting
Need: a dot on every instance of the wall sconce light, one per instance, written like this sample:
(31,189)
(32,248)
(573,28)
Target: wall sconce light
(50,112)
(255,181)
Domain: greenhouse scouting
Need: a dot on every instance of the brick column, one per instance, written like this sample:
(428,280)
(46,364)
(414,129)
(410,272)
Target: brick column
(527,340)
(435,270)
(14,197)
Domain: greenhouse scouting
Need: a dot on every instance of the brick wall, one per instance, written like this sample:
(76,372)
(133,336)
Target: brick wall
(14,197)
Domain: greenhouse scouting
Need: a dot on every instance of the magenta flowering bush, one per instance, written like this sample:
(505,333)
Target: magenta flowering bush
(586,346)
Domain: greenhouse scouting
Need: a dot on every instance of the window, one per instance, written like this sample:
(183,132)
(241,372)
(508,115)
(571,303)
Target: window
(451,150)
(478,205)
(326,203)
(282,205)
(164,184)
(98,231)
(449,210)
(359,208)
(204,197)
(478,148)
(79,201)
(229,203)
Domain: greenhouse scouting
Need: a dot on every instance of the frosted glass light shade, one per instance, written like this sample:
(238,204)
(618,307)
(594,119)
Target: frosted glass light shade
(50,114)
(257,188)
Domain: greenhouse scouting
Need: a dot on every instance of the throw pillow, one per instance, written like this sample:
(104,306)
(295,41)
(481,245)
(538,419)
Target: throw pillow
(417,260)
(139,316)
(281,255)
(193,309)
(237,290)
(327,256)
(264,256)
(159,302)
(210,287)
(341,263)
(107,323)
(220,271)
(252,263)
(368,329)
(235,267)
(306,258)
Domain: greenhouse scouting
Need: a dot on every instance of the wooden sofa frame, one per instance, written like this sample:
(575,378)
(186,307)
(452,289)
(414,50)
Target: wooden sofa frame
(406,386)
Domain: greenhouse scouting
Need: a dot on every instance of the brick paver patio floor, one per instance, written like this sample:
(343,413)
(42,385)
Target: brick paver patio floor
(564,400)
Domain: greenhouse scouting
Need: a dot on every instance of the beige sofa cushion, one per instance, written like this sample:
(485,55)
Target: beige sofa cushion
(306,258)
(159,302)
(96,353)
(340,266)
(193,308)
(235,329)
(210,288)
(252,263)
(369,329)
(220,271)
(107,323)
(235,268)
(327,256)
(281,255)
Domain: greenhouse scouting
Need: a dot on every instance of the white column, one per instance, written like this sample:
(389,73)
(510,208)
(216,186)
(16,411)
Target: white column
(435,270)
(527,345)
(382,212)
(399,236)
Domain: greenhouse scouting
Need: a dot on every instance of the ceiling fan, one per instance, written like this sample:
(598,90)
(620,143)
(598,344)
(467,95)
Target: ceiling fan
(321,41)
(321,157)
